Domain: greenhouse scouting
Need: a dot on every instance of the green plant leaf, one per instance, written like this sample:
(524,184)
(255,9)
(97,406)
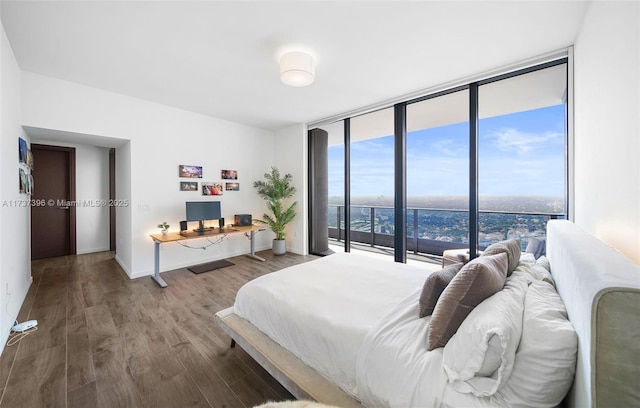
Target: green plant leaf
(274,189)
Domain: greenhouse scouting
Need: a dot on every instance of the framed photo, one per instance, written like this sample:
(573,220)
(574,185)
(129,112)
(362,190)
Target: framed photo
(232,186)
(22,150)
(30,159)
(190,171)
(23,180)
(229,174)
(188,186)
(211,188)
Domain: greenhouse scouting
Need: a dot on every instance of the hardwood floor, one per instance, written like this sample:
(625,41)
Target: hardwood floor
(106,341)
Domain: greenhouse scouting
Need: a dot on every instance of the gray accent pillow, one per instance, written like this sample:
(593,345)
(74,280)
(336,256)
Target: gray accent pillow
(537,247)
(434,286)
(511,247)
(476,281)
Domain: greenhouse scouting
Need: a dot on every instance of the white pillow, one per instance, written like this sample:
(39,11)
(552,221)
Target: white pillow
(479,357)
(538,269)
(527,258)
(543,261)
(545,362)
(542,272)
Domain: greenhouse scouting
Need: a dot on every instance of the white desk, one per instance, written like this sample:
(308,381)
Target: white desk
(158,239)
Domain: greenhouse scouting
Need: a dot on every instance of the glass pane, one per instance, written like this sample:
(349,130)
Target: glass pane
(521,155)
(372,180)
(438,173)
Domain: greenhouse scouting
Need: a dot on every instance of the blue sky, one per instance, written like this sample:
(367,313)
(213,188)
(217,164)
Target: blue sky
(520,154)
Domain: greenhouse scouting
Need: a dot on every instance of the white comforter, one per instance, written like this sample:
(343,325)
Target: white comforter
(354,319)
(394,368)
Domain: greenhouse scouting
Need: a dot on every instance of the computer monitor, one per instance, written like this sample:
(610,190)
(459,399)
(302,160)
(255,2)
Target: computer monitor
(201,211)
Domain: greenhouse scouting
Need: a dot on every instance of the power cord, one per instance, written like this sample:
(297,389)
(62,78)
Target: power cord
(15,337)
(219,240)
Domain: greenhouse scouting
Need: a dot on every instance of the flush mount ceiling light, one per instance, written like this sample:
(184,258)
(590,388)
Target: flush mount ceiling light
(297,69)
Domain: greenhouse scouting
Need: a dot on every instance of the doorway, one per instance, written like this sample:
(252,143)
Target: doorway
(53,224)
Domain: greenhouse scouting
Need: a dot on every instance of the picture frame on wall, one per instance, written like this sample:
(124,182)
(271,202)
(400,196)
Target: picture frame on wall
(232,186)
(22,150)
(229,174)
(188,186)
(30,181)
(30,159)
(188,171)
(23,180)
(211,189)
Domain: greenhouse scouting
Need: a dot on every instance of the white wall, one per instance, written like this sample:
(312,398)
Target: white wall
(15,234)
(92,185)
(607,125)
(291,157)
(161,138)
(124,231)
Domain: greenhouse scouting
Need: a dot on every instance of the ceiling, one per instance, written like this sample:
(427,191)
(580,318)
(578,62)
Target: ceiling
(220,58)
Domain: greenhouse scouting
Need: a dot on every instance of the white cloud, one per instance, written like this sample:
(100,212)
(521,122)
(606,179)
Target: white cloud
(521,142)
(448,147)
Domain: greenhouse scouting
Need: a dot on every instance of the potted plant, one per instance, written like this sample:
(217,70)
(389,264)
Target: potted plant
(164,227)
(275,189)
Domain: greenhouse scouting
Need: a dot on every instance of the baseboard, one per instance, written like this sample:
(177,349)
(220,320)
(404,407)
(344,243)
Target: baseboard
(91,250)
(298,251)
(124,268)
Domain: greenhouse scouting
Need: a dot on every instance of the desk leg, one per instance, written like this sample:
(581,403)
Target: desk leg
(253,248)
(156,265)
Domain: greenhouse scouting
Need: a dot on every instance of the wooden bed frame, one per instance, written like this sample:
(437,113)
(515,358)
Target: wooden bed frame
(601,291)
(301,380)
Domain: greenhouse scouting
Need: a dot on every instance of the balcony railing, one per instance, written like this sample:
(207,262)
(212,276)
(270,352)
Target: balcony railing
(431,231)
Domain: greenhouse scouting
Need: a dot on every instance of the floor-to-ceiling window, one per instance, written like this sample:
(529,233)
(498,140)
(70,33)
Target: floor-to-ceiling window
(504,178)
(521,154)
(438,173)
(372,178)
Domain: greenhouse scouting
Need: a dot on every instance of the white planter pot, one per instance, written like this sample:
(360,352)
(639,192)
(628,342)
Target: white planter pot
(279,246)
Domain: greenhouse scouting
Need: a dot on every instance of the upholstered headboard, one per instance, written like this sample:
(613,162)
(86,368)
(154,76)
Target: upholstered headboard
(601,291)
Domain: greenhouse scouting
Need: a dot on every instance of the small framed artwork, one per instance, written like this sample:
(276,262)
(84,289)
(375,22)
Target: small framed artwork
(30,159)
(190,171)
(211,188)
(22,150)
(229,174)
(23,180)
(188,186)
(232,186)
(30,183)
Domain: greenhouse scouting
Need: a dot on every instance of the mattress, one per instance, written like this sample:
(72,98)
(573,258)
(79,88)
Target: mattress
(327,313)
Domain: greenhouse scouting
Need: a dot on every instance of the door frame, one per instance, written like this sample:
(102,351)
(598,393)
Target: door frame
(71,153)
(112,198)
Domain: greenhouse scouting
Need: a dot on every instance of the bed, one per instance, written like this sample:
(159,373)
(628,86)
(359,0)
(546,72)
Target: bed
(345,330)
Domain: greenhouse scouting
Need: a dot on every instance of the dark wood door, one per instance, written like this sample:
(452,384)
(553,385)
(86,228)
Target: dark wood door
(53,202)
